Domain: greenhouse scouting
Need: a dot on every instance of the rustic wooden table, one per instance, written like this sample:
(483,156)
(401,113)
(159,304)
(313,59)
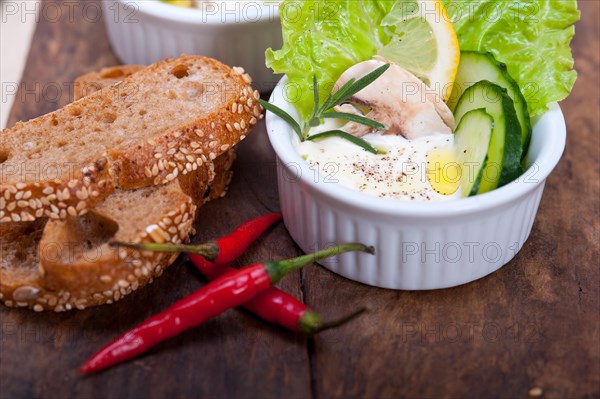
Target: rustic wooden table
(534,323)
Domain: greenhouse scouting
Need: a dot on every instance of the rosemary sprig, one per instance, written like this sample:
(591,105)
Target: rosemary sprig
(355,118)
(347,136)
(350,88)
(283,115)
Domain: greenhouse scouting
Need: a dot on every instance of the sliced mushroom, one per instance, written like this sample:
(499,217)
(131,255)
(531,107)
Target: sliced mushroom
(399,100)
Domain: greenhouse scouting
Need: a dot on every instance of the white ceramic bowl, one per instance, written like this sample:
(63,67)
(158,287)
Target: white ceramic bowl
(420,245)
(236,33)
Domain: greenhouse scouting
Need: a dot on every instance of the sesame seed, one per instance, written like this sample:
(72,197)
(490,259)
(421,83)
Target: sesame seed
(224,147)
(199,133)
(27,195)
(158,155)
(105,278)
(27,217)
(22,204)
(156,233)
(147,171)
(48,190)
(38,308)
(237,126)
(234,107)
(229,128)
(26,293)
(71,211)
(82,194)
(243,124)
(20,186)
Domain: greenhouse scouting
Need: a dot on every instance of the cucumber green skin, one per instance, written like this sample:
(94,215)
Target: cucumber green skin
(475,129)
(505,146)
(475,66)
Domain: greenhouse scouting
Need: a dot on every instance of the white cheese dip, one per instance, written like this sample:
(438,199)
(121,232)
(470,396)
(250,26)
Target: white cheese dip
(401,173)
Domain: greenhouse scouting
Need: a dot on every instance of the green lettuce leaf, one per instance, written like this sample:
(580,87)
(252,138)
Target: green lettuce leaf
(325,38)
(531,37)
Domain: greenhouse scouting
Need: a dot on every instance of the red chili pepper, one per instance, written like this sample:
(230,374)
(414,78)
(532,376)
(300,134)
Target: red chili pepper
(273,305)
(221,250)
(228,291)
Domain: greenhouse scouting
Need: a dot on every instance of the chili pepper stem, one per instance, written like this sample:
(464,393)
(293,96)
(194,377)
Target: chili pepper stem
(278,269)
(310,323)
(209,250)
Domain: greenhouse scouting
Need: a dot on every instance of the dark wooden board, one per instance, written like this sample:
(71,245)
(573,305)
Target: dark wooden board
(534,323)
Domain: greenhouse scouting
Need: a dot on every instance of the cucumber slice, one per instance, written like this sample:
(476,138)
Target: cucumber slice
(472,139)
(475,66)
(504,151)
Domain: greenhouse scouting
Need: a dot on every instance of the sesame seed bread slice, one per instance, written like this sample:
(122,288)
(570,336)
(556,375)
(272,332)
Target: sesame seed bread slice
(67,264)
(161,122)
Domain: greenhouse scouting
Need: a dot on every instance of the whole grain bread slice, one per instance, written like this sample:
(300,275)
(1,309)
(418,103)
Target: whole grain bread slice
(65,264)
(154,125)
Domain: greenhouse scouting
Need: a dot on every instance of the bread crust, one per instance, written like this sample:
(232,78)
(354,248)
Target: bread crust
(157,161)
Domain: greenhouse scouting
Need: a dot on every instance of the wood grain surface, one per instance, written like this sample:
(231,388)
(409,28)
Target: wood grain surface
(534,323)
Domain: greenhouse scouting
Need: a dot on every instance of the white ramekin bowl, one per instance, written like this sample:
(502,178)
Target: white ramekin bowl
(420,245)
(236,33)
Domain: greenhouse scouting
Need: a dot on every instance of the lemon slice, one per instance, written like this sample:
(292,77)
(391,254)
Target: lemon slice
(423,42)
(443,170)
